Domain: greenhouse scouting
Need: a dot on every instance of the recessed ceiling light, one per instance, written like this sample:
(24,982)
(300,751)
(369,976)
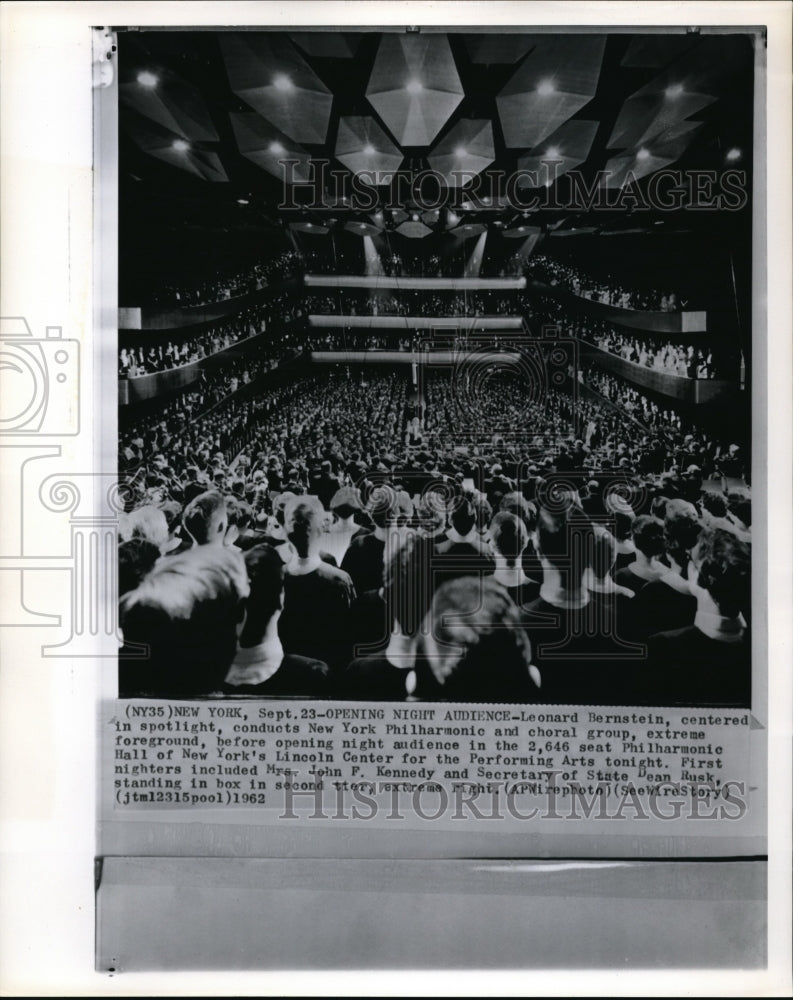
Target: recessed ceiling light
(242,201)
(180,145)
(461,151)
(643,154)
(733,154)
(675,90)
(309,225)
(545,87)
(282,82)
(276,147)
(414,86)
(553,153)
(147,79)
(368,149)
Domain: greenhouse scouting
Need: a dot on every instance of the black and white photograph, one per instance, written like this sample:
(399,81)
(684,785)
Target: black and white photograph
(395,461)
(435,363)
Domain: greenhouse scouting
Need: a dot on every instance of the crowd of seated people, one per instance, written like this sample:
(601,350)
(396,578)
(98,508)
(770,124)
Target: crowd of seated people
(683,360)
(456,591)
(410,302)
(174,352)
(220,286)
(611,291)
(628,398)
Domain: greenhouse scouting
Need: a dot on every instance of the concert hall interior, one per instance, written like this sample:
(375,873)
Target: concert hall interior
(434,365)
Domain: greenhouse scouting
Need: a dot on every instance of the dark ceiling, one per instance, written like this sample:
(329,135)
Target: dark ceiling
(204,116)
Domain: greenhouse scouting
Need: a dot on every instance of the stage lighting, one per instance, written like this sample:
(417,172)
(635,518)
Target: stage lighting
(642,154)
(180,145)
(368,149)
(282,82)
(276,147)
(414,86)
(461,151)
(242,201)
(546,87)
(675,90)
(147,79)
(552,153)
(733,154)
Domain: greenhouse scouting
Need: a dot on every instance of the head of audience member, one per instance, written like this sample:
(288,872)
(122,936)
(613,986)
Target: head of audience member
(186,610)
(602,559)
(149,524)
(681,530)
(714,503)
(205,519)
(407,593)
(648,538)
(345,504)
(508,539)
(462,515)
(474,644)
(623,522)
(136,558)
(740,504)
(484,514)
(304,521)
(265,601)
(563,541)
(658,507)
(516,503)
(432,514)
(719,573)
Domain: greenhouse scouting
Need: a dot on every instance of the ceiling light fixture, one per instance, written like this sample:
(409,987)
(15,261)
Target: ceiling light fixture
(546,87)
(733,154)
(276,147)
(180,145)
(643,154)
(368,149)
(461,151)
(414,86)
(675,90)
(282,82)
(147,79)
(553,153)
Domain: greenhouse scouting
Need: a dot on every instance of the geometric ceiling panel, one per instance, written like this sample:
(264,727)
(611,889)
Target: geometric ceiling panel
(268,72)
(362,229)
(171,148)
(362,145)
(170,101)
(521,232)
(663,150)
(498,48)
(464,151)
(327,44)
(566,148)
(308,227)
(655,51)
(414,230)
(648,112)
(557,79)
(414,86)
(268,148)
(469,229)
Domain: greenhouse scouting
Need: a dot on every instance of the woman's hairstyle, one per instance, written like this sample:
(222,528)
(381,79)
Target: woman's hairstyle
(508,536)
(723,564)
(681,530)
(265,569)
(516,503)
(648,536)
(475,645)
